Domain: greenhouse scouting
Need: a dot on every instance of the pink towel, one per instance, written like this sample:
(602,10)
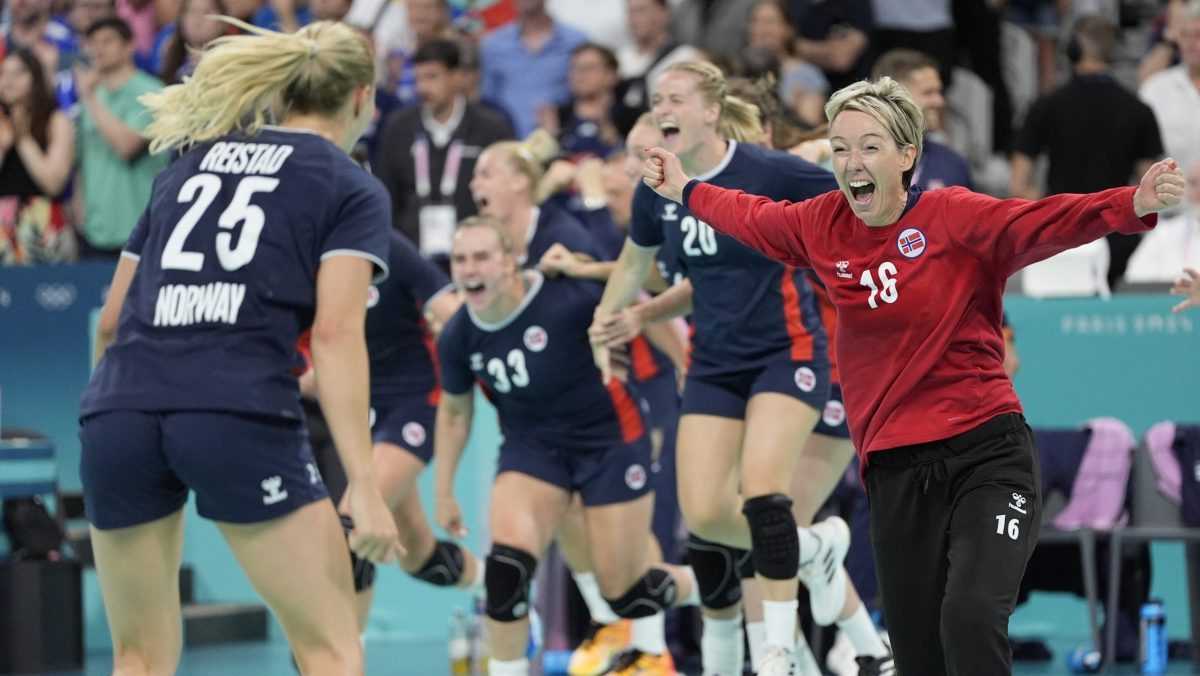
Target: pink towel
(1159,440)
(1098,494)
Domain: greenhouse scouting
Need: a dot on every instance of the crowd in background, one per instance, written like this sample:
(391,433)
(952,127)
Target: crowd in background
(1015,93)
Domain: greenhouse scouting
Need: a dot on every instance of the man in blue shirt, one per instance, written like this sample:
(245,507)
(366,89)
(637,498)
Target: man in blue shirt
(525,64)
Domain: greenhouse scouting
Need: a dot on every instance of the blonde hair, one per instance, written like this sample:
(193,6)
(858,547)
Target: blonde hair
(245,81)
(739,120)
(529,158)
(488,223)
(890,104)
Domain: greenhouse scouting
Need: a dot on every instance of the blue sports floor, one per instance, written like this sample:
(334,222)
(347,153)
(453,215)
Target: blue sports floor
(396,658)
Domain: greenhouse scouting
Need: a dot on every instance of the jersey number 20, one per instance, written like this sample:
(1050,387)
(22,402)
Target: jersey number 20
(200,190)
(698,231)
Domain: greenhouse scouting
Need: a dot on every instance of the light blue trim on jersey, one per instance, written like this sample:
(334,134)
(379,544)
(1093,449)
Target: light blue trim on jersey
(535,284)
(384,271)
(715,171)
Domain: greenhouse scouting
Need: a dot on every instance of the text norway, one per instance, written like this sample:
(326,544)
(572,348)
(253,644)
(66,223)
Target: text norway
(183,304)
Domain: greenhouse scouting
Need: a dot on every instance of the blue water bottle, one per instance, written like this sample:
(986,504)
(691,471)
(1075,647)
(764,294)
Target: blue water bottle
(1152,654)
(1084,660)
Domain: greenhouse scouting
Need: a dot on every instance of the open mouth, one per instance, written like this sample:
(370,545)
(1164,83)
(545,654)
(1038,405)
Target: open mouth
(669,130)
(481,201)
(862,191)
(473,289)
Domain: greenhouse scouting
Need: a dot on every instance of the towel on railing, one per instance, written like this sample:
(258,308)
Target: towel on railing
(1098,495)
(1160,440)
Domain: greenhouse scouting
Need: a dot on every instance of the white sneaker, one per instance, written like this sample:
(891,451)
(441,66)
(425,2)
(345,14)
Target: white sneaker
(777,662)
(822,572)
(840,659)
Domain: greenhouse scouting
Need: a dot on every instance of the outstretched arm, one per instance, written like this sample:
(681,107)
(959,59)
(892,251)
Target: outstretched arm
(1187,285)
(772,228)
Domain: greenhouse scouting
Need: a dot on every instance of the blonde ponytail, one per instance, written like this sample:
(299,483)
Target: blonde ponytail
(529,158)
(739,120)
(245,81)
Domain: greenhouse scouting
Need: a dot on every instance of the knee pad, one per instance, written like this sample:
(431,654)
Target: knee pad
(717,574)
(773,532)
(444,567)
(653,593)
(507,576)
(362,569)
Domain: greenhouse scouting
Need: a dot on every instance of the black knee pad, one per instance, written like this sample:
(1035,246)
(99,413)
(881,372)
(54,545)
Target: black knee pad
(717,574)
(745,563)
(507,576)
(653,593)
(444,567)
(362,569)
(773,532)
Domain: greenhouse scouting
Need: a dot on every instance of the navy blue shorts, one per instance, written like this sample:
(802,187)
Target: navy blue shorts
(619,474)
(726,394)
(407,423)
(833,417)
(138,466)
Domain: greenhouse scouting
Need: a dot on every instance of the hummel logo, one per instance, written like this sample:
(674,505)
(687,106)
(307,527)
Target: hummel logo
(669,212)
(1018,502)
(843,270)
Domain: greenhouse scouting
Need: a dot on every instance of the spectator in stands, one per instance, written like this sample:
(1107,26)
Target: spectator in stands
(802,86)
(834,36)
(32,26)
(1164,41)
(430,151)
(940,166)
(1040,19)
(115,170)
(1174,94)
(713,26)
(525,63)
(193,30)
(586,125)
(84,13)
(1065,126)
(37,146)
(142,18)
(652,50)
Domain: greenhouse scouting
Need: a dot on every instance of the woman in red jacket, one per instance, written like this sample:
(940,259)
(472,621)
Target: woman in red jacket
(917,279)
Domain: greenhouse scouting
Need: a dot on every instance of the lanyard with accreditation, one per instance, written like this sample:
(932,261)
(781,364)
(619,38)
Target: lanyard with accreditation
(437,221)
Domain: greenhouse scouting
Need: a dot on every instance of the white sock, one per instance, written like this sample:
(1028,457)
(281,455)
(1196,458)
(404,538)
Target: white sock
(597,606)
(476,585)
(779,618)
(809,544)
(510,668)
(692,599)
(721,646)
(806,662)
(649,634)
(862,634)
(756,636)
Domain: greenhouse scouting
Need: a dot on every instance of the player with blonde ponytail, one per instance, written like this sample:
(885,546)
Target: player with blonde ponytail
(263,226)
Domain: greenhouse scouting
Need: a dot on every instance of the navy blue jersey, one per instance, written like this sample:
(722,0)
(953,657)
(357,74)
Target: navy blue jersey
(228,251)
(402,359)
(941,167)
(557,226)
(748,310)
(536,367)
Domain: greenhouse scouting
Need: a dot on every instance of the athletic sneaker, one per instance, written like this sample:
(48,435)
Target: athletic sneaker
(634,662)
(603,643)
(777,662)
(876,666)
(822,573)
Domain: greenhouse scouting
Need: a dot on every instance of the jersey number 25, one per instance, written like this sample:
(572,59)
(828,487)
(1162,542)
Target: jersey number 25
(200,190)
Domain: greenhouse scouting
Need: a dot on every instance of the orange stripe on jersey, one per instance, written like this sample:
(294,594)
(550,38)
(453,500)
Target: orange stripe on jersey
(829,321)
(435,395)
(644,366)
(629,416)
(802,341)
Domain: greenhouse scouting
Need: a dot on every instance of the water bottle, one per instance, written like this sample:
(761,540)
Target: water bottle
(459,645)
(479,641)
(1152,653)
(1084,660)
